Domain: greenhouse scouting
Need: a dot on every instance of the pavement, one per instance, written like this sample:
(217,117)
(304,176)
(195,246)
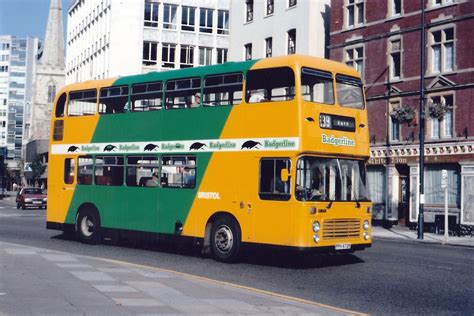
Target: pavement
(37,281)
(404,233)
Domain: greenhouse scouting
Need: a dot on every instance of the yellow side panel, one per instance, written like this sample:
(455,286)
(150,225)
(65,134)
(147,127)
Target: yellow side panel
(77,130)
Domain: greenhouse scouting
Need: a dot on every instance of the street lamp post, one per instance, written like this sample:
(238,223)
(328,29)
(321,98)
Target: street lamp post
(421,198)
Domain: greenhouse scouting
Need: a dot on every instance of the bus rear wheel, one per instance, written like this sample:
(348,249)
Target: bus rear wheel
(225,239)
(88,227)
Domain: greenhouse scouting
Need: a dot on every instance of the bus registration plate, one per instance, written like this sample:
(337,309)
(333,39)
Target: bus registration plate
(343,246)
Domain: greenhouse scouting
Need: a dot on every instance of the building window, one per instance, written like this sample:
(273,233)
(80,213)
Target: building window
(187,56)
(436,3)
(292,41)
(249,10)
(205,56)
(169,16)
(376,184)
(248,51)
(395,58)
(205,21)
(221,55)
(51,93)
(442,50)
(355,12)
(291,3)
(270,7)
(167,55)
(444,127)
(151,14)
(188,18)
(394,123)
(149,53)
(395,7)
(433,189)
(268,47)
(222,22)
(355,58)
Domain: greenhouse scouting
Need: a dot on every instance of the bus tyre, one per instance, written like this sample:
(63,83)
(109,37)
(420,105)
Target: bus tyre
(88,227)
(225,239)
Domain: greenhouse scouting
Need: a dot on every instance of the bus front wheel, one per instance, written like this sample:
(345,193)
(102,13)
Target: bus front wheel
(225,239)
(88,226)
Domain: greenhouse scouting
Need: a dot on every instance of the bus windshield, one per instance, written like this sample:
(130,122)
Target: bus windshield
(326,179)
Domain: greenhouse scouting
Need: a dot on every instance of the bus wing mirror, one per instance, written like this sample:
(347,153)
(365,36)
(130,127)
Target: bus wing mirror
(284,175)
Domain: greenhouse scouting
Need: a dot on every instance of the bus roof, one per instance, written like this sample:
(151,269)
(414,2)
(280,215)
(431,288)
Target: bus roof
(228,67)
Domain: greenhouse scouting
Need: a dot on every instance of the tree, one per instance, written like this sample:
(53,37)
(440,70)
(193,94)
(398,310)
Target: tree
(37,168)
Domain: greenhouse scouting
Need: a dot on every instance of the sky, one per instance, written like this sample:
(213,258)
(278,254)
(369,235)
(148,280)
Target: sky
(24,18)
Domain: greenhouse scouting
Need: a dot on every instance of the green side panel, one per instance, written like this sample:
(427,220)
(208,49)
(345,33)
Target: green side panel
(154,209)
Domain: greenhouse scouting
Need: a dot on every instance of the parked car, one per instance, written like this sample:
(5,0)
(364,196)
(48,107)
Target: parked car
(31,197)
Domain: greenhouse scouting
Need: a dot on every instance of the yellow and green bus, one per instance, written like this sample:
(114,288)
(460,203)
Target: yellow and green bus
(268,152)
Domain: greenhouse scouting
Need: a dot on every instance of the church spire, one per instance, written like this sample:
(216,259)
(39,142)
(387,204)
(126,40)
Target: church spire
(53,51)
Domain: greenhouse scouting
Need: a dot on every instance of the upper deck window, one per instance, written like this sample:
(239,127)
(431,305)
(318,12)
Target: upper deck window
(183,93)
(113,100)
(82,103)
(317,86)
(147,96)
(223,90)
(349,92)
(60,105)
(272,84)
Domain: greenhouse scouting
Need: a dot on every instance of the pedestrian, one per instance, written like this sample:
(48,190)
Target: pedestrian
(15,186)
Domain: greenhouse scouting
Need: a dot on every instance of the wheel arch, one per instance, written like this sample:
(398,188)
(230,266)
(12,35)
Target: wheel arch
(208,228)
(87,206)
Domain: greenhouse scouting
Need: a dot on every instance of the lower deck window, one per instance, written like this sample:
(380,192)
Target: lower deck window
(142,171)
(271,186)
(69,170)
(109,170)
(84,169)
(178,172)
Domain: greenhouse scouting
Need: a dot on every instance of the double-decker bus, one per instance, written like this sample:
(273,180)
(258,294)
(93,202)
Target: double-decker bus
(268,151)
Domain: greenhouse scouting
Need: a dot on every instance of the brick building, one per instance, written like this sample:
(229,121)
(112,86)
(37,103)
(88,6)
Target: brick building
(382,39)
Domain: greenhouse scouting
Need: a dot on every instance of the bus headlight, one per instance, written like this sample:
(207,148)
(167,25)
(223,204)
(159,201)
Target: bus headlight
(316,227)
(366,225)
(316,238)
(366,235)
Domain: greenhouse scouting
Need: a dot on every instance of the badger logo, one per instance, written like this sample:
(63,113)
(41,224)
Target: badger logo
(197,146)
(72,149)
(151,147)
(110,148)
(250,144)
